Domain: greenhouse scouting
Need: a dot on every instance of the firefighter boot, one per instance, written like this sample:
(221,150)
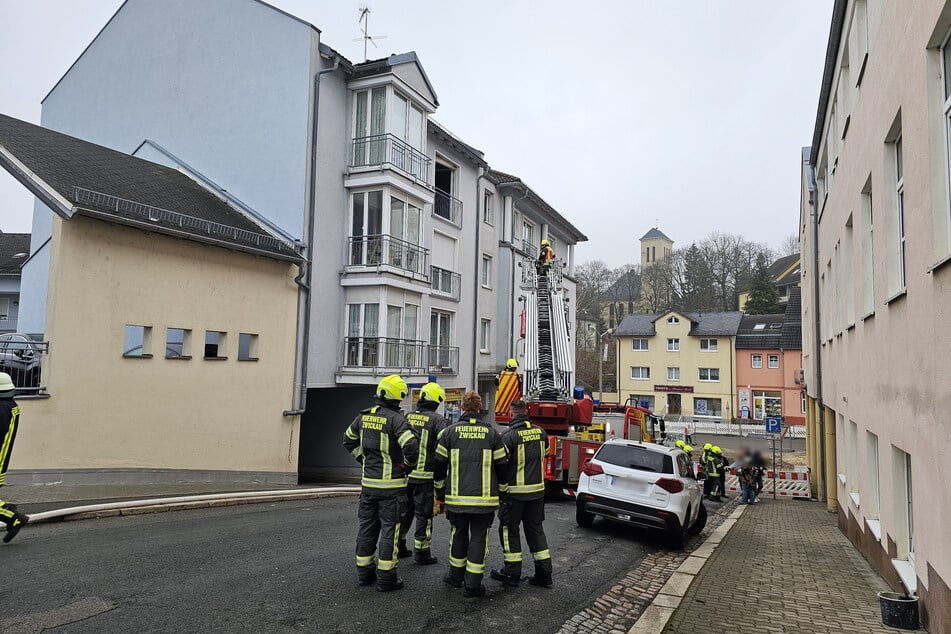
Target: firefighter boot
(455,577)
(507,579)
(471,593)
(424,558)
(14,525)
(389,582)
(541,579)
(403,552)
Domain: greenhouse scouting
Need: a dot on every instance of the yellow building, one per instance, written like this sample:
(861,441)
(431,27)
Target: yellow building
(679,363)
(171,320)
(785,273)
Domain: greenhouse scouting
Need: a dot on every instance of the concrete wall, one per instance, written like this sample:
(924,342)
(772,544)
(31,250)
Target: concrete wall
(886,371)
(108,412)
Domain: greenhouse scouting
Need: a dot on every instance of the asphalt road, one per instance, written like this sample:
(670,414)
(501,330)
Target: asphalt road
(281,567)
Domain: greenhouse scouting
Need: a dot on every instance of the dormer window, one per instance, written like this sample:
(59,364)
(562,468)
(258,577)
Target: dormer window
(673,320)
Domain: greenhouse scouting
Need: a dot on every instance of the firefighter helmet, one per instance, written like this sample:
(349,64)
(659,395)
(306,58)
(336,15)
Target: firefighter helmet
(544,243)
(511,364)
(688,448)
(680,443)
(707,446)
(7,389)
(717,450)
(392,387)
(432,392)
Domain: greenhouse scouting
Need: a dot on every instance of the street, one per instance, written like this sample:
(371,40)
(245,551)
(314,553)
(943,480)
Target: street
(282,567)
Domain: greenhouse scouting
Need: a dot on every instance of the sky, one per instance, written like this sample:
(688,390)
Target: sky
(684,114)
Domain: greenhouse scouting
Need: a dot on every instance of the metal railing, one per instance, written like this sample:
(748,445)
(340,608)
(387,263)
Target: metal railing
(23,361)
(388,149)
(530,248)
(443,359)
(529,279)
(173,219)
(404,355)
(445,283)
(380,250)
(447,207)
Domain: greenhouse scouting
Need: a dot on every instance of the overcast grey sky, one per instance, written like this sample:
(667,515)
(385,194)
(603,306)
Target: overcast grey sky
(690,113)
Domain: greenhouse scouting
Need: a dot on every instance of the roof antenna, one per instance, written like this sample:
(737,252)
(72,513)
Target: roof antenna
(365,28)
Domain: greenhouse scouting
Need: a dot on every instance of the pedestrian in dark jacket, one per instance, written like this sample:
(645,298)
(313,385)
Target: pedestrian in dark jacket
(9,419)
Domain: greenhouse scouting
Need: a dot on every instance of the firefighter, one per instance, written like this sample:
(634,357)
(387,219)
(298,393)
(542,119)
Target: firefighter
(508,388)
(711,467)
(724,465)
(523,500)
(9,419)
(471,458)
(382,441)
(427,424)
(545,256)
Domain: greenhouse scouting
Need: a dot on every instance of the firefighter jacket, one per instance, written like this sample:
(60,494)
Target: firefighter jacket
(470,462)
(380,438)
(427,425)
(9,418)
(527,446)
(712,466)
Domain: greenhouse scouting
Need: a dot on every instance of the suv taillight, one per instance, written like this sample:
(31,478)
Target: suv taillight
(670,485)
(591,469)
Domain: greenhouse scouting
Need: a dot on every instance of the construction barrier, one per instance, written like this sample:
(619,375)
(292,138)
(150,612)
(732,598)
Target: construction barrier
(791,484)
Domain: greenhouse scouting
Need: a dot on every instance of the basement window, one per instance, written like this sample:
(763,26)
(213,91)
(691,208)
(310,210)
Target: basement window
(216,345)
(247,347)
(137,342)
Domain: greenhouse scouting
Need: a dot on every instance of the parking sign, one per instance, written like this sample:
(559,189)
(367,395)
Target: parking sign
(774,425)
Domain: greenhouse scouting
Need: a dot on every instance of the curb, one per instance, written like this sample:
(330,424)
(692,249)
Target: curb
(181,503)
(655,617)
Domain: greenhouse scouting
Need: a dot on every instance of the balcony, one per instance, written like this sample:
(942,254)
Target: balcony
(388,150)
(384,250)
(445,283)
(443,359)
(448,208)
(385,354)
(530,248)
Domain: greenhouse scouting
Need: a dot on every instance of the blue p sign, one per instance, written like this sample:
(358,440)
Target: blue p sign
(774,425)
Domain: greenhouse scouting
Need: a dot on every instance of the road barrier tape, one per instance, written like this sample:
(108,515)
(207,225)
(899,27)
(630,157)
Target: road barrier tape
(792,484)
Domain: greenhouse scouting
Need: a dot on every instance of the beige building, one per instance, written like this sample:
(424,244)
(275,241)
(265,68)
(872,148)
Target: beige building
(655,247)
(876,213)
(679,364)
(172,320)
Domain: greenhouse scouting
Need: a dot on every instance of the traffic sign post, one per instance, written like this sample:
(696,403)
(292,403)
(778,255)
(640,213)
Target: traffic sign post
(774,430)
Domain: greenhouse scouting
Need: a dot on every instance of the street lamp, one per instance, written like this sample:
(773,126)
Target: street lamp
(608,332)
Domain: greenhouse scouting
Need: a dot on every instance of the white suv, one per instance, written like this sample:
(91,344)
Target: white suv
(646,485)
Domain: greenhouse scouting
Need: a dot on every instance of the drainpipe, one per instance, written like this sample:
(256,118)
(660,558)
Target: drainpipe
(304,279)
(820,419)
(511,298)
(477,278)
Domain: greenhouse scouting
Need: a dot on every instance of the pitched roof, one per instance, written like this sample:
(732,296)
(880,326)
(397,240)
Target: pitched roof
(760,331)
(637,325)
(655,233)
(627,287)
(503,179)
(384,64)
(75,176)
(477,157)
(701,324)
(785,270)
(792,324)
(12,244)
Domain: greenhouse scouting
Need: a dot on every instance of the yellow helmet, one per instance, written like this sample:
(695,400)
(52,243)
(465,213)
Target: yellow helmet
(432,392)
(511,364)
(544,243)
(392,387)
(688,448)
(717,450)
(680,444)
(707,446)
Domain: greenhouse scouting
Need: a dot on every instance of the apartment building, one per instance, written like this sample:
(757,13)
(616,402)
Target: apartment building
(14,249)
(876,242)
(679,363)
(411,244)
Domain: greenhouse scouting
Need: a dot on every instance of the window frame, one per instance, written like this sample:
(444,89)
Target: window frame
(186,342)
(714,348)
(146,345)
(753,359)
(709,372)
(769,361)
(485,272)
(488,208)
(634,342)
(642,369)
(221,343)
(673,344)
(252,354)
(900,212)
(485,336)
(671,375)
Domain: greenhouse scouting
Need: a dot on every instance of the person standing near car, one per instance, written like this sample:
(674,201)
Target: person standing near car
(523,500)
(9,419)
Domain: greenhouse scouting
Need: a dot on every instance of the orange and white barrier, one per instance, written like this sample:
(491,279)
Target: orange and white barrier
(791,484)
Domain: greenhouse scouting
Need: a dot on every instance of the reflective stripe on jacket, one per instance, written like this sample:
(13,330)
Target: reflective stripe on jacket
(427,425)
(9,418)
(380,438)
(527,446)
(470,461)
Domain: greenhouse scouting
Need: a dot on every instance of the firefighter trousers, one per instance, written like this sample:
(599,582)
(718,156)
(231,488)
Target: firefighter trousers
(530,514)
(711,486)
(469,546)
(379,516)
(8,512)
(419,505)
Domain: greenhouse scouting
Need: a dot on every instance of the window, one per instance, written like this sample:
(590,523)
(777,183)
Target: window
(641,399)
(639,345)
(873,495)
(485,332)
(362,343)
(673,345)
(445,204)
(848,286)
(854,455)
(488,213)
(487,271)
(757,360)
(707,407)
(868,251)
(673,320)
(404,235)
(759,327)
(137,342)
(942,219)
(247,347)
(369,124)
(708,345)
(903,499)
(635,457)
(407,121)
(640,373)
(366,229)
(216,345)
(767,404)
(4,308)
(528,237)
(178,343)
(772,361)
(673,374)
(440,339)
(900,197)
(895,229)
(803,399)
(710,374)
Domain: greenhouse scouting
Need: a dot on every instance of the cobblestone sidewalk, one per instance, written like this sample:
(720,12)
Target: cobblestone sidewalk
(785,567)
(619,608)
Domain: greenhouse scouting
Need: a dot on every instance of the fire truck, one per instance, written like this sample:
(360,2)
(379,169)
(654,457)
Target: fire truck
(552,402)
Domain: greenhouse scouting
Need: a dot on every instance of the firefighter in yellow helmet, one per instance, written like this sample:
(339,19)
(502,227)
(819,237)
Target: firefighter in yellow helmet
(508,388)
(381,440)
(427,424)
(545,257)
(9,419)
(724,466)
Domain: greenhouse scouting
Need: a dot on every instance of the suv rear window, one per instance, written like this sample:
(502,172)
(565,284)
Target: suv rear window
(635,458)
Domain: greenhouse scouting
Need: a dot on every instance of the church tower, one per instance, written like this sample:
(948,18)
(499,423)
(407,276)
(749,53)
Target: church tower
(655,247)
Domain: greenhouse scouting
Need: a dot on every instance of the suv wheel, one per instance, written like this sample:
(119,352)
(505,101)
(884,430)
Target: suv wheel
(583,517)
(678,534)
(700,523)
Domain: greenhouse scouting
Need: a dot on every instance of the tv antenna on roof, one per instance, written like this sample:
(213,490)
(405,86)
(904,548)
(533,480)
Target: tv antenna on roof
(365,27)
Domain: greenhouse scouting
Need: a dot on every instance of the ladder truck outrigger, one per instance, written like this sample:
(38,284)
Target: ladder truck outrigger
(552,401)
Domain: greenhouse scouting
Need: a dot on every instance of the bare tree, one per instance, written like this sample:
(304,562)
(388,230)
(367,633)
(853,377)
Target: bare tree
(789,245)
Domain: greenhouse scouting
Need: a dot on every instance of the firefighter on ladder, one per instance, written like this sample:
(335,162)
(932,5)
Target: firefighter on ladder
(508,388)
(545,257)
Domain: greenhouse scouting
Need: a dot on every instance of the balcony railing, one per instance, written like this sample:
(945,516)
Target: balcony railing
(403,355)
(530,248)
(443,359)
(380,250)
(23,360)
(448,208)
(388,149)
(445,283)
